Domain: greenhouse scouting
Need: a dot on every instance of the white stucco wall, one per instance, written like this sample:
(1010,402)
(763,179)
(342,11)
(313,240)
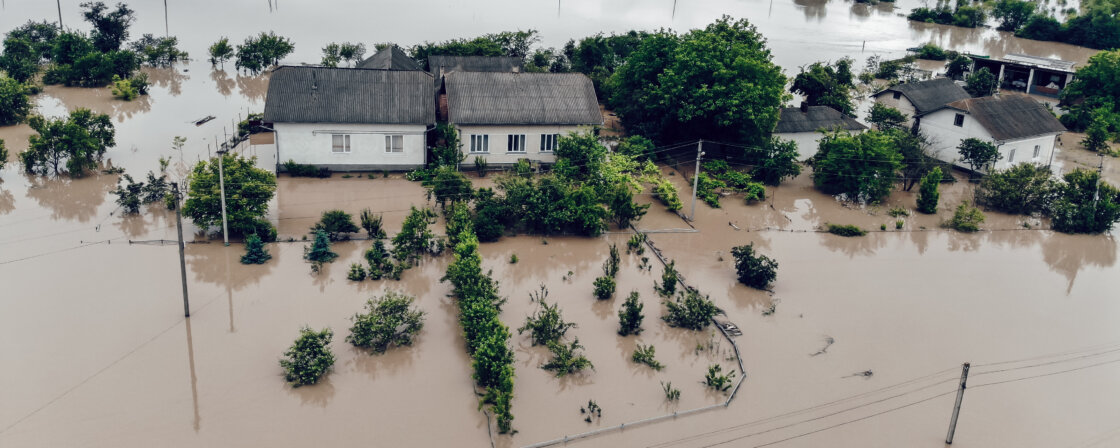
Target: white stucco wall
(808,143)
(498,153)
(902,104)
(311,143)
(945,137)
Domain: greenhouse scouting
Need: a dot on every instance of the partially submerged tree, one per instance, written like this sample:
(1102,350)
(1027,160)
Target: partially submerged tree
(414,239)
(248,191)
(1012,14)
(981,83)
(566,358)
(754,270)
(1085,204)
(862,167)
(928,195)
(15,102)
(825,84)
(110,26)
(978,154)
(309,357)
(390,320)
(337,223)
(79,140)
(966,219)
(319,251)
(262,51)
(630,316)
(623,209)
(159,51)
(220,52)
(690,310)
(255,252)
(1022,189)
(546,324)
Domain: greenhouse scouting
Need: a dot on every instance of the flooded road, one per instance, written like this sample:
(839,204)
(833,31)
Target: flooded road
(97,352)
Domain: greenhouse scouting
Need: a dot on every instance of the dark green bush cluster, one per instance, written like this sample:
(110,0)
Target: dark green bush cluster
(689,310)
(319,251)
(390,320)
(644,354)
(964,15)
(309,357)
(846,230)
(566,358)
(300,170)
(754,270)
(545,324)
(669,279)
(337,223)
(604,286)
(487,337)
(131,194)
(721,176)
(255,252)
(630,315)
(717,380)
(966,218)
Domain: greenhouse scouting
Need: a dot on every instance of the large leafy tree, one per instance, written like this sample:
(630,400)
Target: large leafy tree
(885,117)
(718,82)
(41,35)
(220,52)
(599,56)
(824,84)
(1012,14)
(79,140)
(14,101)
(774,161)
(262,51)
(248,190)
(110,26)
(863,167)
(1085,204)
(1096,86)
(1022,189)
(981,83)
(20,60)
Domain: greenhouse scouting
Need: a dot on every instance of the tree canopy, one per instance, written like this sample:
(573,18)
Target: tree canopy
(862,167)
(1094,91)
(981,83)
(262,51)
(978,154)
(79,140)
(248,190)
(824,84)
(1085,204)
(15,104)
(110,25)
(718,83)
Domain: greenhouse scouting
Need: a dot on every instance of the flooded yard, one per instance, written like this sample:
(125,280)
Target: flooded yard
(97,353)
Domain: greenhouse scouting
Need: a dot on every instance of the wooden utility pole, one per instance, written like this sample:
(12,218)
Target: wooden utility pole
(182,257)
(957,407)
(696,178)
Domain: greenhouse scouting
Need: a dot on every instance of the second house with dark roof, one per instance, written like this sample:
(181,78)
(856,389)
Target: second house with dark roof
(916,99)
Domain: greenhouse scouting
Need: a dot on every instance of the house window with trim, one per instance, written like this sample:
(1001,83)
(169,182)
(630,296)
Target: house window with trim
(548,142)
(958,120)
(1011,156)
(1037,150)
(516,143)
(340,143)
(480,143)
(394,143)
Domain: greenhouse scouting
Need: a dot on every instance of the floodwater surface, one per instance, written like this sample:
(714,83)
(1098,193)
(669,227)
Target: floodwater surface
(97,353)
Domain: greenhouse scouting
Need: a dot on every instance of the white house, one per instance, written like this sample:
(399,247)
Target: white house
(1022,128)
(505,117)
(804,125)
(915,99)
(349,119)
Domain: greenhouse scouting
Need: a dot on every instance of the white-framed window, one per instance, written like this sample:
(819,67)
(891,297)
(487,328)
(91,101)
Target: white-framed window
(1011,156)
(958,120)
(515,143)
(394,143)
(548,142)
(480,143)
(1037,150)
(340,143)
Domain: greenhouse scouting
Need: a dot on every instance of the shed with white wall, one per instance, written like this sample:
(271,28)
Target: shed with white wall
(806,125)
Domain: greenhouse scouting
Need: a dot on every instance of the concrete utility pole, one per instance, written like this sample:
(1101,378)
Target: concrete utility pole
(182,257)
(696,177)
(957,407)
(59,2)
(1097,186)
(222,185)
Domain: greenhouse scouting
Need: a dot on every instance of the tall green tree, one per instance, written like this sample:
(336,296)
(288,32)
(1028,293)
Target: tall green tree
(825,84)
(719,83)
(15,102)
(248,191)
(774,161)
(978,154)
(928,196)
(885,117)
(862,167)
(1085,204)
(40,35)
(19,60)
(1012,14)
(110,26)
(1022,189)
(79,140)
(1097,134)
(981,83)
(220,52)
(1096,86)
(623,209)
(262,51)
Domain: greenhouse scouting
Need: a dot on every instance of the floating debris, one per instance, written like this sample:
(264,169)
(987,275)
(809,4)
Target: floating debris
(865,374)
(202,121)
(828,341)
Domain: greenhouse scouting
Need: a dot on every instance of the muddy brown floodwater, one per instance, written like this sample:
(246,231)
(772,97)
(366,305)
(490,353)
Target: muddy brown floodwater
(96,352)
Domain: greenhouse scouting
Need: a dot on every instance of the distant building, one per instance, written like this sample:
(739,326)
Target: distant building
(916,99)
(1021,127)
(350,119)
(504,117)
(804,125)
(1030,74)
(391,58)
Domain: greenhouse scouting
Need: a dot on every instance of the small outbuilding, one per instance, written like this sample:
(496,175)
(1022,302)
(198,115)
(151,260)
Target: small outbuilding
(1026,73)
(505,117)
(1021,127)
(351,119)
(806,125)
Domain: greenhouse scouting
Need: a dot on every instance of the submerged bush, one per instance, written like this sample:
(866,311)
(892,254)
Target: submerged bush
(337,223)
(309,357)
(966,218)
(254,251)
(717,380)
(566,359)
(669,278)
(846,230)
(690,310)
(754,270)
(390,320)
(644,354)
(545,324)
(630,316)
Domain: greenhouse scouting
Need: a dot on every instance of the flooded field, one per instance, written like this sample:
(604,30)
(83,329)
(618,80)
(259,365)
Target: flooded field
(97,353)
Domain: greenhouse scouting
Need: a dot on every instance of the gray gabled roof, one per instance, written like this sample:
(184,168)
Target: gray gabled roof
(474,64)
(815,119)
(521,98)
(928,96)
(349,95)
(1010,116)
(392,58)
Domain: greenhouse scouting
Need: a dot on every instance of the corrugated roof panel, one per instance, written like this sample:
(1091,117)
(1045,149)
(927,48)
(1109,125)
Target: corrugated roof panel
(341,95)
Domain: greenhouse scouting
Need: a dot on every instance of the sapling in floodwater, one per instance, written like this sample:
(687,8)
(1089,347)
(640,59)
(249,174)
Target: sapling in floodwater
(717,380)
(690,310)
(591,411)
(671,393)
(545,325)
(390,320)
(754,269)
(630,316)
(644,354)
(319,252)
(309,357)
(669,277)
(604,287)
(565,358)
(357,272)
(254,251)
